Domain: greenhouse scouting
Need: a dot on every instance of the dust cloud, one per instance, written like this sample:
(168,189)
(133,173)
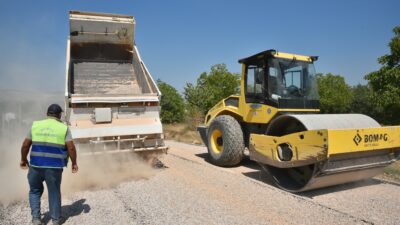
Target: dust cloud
(105,171)
(13,181)
(17,112)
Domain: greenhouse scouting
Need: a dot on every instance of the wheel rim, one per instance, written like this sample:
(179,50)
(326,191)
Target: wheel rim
(217,144)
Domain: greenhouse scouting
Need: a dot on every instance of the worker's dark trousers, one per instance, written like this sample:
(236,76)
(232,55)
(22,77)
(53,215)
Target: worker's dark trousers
(52,177)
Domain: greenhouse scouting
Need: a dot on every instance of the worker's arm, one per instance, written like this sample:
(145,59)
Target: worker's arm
(26,145)
(72,154)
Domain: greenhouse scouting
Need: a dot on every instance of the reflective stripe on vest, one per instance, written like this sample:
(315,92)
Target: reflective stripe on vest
(48,144)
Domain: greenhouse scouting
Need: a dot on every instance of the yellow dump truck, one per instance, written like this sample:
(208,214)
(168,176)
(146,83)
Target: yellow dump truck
(276,118)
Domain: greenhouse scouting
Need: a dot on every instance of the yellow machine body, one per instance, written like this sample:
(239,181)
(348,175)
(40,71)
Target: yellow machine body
(300,149)
(318,145)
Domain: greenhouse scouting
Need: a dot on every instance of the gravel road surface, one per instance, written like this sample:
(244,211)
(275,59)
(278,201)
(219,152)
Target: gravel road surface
(189,190)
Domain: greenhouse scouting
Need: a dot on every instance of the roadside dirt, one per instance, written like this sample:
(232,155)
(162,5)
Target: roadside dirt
(189,190)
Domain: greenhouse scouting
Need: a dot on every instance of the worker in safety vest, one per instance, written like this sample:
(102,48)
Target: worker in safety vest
(52,145)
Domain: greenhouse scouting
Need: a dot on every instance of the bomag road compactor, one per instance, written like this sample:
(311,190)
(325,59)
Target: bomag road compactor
(112,101)
(276,118)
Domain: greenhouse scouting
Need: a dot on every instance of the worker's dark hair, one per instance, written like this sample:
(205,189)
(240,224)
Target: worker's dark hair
(54,110)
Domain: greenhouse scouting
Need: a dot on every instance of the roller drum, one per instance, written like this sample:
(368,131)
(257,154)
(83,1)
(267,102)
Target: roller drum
(328,172)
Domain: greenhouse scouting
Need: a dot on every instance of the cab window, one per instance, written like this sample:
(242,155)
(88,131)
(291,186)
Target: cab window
(293,77)
(254,83)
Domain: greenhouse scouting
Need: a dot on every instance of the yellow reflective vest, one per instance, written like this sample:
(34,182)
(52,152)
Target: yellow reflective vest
(48,144)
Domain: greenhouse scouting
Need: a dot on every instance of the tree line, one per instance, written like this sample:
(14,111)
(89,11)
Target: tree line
(379,98)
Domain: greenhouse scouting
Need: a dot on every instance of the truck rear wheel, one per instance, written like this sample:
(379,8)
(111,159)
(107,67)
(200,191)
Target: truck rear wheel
(225,141)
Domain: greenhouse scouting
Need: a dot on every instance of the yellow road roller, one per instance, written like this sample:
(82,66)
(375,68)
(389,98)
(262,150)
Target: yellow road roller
(276,117)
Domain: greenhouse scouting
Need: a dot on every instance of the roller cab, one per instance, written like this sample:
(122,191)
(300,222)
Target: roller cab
(275,118)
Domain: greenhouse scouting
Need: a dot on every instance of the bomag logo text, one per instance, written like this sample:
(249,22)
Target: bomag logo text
(369,138)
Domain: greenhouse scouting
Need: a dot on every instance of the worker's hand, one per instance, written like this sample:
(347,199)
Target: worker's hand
(75,168)
(24,165)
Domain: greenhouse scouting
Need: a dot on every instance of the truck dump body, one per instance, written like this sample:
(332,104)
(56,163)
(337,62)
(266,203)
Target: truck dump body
(95,78)
(112,100)
(121,75)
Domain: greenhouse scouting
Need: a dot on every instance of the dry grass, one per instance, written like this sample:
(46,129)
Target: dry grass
(182,132)
(393,170)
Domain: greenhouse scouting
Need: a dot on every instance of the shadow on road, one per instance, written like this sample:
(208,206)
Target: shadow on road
(344,187)
(258,174)
(340,187)
(204,156)
(68,211)
(246,162)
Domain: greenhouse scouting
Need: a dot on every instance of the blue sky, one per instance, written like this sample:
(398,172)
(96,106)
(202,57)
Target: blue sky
(179,39)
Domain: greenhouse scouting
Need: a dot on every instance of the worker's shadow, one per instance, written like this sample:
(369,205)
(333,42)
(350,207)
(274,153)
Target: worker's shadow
(68,211)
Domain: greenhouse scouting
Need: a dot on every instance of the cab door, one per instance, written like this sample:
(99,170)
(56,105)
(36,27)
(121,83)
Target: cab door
(254,90)
(254,104)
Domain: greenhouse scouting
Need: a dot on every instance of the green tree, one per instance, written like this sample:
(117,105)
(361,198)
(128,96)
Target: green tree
(172,104)
(211,87)
(335,94)
(385,83)
(362,100)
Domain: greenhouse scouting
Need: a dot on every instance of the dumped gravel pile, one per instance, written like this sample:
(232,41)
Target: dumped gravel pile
(190,191)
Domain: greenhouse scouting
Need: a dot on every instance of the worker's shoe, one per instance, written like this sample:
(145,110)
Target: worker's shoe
(37,221)
(57,222)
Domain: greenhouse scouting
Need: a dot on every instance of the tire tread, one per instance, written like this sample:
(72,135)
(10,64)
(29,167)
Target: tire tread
(233,150)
